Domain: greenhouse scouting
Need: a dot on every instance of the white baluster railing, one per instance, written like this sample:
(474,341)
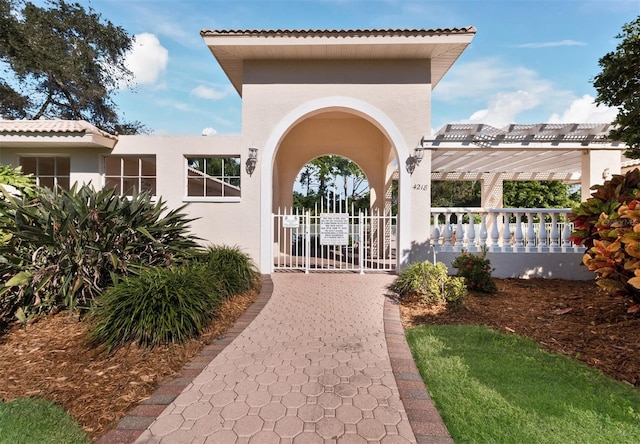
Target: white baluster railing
(502,229)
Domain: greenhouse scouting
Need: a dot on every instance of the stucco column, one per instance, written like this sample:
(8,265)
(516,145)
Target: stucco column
(598,166)
(491,189)
(420,197)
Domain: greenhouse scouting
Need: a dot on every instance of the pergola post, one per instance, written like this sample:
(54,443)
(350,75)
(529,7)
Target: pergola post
(598,166)
(491,190)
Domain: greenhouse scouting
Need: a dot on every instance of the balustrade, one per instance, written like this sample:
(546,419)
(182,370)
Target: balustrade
(502,230)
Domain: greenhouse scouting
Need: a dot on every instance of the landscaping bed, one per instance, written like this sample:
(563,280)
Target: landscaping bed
(52,359)
(574,318)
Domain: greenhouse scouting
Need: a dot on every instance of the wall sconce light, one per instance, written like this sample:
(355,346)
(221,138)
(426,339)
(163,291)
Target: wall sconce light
(414,161)
(252,160)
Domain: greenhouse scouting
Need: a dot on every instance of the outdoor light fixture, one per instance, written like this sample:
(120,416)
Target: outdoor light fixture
(252,160)
(414,161)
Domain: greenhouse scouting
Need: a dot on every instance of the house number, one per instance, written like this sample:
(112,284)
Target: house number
(420,187)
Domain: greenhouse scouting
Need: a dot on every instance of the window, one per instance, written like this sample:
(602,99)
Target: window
(213,176)
(129,173)
(50,172)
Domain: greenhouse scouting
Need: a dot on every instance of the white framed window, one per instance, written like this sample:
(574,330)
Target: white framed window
(49,171)
(211,178)
(129,173)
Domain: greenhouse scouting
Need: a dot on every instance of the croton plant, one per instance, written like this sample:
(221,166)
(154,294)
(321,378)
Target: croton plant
(608,225)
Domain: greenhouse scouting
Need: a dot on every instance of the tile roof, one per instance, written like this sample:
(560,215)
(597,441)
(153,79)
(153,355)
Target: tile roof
(336,32)
(52,127)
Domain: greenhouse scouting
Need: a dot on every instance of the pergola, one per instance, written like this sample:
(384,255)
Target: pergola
(579,153)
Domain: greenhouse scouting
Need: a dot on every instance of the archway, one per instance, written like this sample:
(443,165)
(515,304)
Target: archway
(342,132)
(270,180)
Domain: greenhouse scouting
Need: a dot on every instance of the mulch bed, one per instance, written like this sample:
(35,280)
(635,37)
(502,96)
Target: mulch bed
(574,318)
(52,359)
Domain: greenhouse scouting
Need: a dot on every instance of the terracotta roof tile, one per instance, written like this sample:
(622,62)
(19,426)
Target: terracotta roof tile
(51,126)
(335,32)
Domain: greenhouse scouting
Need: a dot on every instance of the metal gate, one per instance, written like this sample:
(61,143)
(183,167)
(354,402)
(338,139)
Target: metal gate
(320,240)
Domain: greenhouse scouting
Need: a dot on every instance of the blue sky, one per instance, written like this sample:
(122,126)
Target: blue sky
(530,61)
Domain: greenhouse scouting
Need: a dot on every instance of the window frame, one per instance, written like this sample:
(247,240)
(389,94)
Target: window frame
(122,176)
(213,198)
(55,176)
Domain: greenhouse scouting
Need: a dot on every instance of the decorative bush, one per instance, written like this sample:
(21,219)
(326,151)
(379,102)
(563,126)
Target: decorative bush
(476,270)
(159,306)
(68,246)
(431,282)
(234,270)
(608,225)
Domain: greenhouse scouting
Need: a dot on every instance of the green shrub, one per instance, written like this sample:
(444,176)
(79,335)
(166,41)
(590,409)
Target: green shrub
(69,245)
(159,306)
(231,268)
(476,271)
(608,225)
(431,282)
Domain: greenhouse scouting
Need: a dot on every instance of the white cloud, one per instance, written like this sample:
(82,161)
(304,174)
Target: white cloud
(551,44)
(504,108)
(147,60)
(209,132)
(585,110)
(205,92)
(500,91)
(481,80)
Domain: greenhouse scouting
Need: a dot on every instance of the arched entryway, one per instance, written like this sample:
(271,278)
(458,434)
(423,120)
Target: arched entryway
(351,131)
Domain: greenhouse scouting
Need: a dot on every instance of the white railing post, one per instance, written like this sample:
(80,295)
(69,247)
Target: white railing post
(447,232)
(360,242)
(542,233)
(506,232)
(471,233)
(483,230)
(519,245)
(566,233)
(460,234)
(531,233)
(307,242)
(555,235)
(495,233)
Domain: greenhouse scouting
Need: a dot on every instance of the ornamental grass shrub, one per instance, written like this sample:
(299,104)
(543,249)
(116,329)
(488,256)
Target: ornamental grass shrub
(159,306)
(171,305)
(234,270)
(476,270)
(608,226)
(431,282)
(70,245)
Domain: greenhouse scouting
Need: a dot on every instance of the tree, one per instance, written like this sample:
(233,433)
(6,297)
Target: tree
(61,62)
(318,179)
(539,194)
(619,85)
(455,193)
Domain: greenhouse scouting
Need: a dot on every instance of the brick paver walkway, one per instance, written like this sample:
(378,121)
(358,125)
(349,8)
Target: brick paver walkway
(313,367)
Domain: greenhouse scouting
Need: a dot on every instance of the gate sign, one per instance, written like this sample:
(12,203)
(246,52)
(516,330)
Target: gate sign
(290,221)
(334,229)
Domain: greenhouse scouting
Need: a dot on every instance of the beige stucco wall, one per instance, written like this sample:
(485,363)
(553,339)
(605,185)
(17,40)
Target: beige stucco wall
(392,97)
(219,221)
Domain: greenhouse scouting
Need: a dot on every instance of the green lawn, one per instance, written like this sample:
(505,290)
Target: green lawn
(495,388)
(27,421)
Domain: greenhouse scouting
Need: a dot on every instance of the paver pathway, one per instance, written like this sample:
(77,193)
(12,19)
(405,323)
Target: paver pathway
(312,367)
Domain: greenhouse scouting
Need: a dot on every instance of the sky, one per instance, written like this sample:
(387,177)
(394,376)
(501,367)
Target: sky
(530,61)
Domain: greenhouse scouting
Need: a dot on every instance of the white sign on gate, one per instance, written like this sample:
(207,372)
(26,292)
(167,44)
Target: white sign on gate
(290,221)
(334,229)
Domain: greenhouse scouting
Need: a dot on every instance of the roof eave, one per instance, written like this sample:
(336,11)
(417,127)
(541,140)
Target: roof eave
(56,140)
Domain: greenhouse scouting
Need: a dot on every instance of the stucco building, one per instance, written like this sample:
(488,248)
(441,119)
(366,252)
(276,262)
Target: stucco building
(361,94)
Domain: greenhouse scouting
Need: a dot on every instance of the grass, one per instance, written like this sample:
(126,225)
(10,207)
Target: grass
(495,388)
(35,420)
